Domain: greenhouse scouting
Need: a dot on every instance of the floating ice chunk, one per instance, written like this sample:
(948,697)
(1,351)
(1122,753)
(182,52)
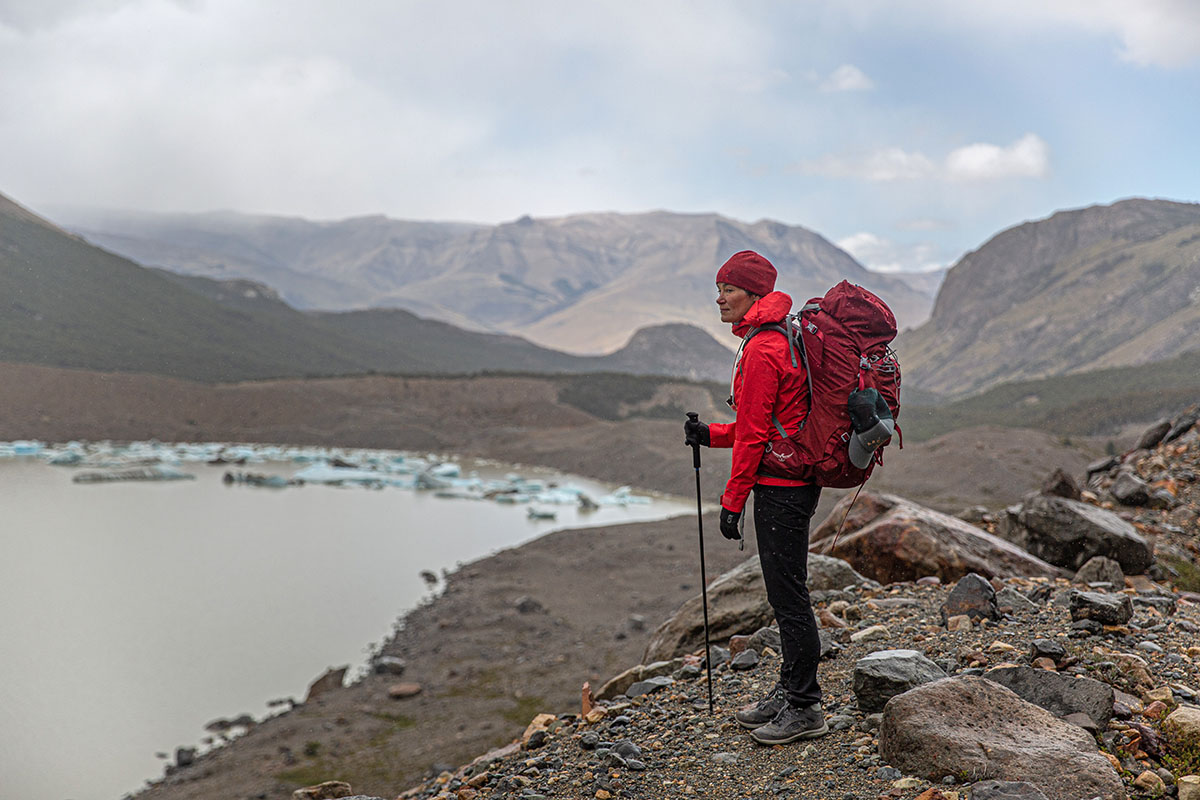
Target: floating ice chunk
(26,448)
(157,472)
(447,470)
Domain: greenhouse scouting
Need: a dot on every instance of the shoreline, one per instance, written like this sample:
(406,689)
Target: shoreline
(357,657)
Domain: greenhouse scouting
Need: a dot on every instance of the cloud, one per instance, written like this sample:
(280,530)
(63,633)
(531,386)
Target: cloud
(1161,33)
(847,78)
(886,164)
(1028,157)
(882,255)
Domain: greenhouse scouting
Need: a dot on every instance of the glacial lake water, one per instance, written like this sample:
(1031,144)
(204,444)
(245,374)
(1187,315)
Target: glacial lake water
(133,613)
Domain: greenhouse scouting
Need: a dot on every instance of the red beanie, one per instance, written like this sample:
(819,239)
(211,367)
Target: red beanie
(750,271)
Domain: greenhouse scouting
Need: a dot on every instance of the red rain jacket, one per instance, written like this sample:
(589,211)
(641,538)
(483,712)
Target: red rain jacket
(764,383)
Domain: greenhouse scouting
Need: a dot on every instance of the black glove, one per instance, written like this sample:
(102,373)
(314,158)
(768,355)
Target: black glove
(729,524)
(695,432)
(863,405)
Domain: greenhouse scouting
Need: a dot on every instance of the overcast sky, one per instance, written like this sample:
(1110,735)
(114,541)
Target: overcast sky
(907,132)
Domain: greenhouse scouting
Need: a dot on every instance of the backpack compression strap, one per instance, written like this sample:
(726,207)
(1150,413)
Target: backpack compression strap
(793,336)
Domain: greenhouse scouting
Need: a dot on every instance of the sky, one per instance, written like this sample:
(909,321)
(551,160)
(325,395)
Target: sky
(906,132)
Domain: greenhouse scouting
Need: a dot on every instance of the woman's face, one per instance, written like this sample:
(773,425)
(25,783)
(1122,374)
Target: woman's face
(734,302)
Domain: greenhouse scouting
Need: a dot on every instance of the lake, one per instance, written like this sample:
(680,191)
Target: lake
(133,613)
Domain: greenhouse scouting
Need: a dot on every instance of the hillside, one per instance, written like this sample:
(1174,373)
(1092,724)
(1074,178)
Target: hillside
(1088,289)
(71,304)
(582,283)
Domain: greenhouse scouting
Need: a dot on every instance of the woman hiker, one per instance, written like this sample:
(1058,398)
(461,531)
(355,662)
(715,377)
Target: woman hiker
(764,385)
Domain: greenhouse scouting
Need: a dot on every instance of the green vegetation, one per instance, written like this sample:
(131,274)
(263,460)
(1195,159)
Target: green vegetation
(307,774)
(525,709)
(1183,757)
(1080,404)
(614,396)
(1188,573)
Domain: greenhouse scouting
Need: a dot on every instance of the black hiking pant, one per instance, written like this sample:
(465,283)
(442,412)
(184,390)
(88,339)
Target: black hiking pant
(781,519)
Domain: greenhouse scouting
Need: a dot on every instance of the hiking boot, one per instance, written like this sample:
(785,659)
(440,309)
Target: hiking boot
(792,723)
(764,710)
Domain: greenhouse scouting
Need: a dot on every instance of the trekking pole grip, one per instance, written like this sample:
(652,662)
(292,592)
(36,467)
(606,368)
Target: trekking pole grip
(694,417)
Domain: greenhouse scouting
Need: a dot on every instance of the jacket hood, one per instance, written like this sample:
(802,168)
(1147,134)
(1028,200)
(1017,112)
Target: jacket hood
(766,310)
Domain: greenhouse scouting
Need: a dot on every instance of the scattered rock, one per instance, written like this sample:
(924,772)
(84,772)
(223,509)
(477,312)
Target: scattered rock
(649,685)
(870,633)
(1047,648)
(1107,609)
(1010,601)
(528,605)
(1153,435)
(974,596)
(185,756)
(766,637)
(880,676)
(1059,694)
(1060,484)
(389,665)
(330,680)
(959,622)
(971,726)
(1149,782)
(1183,726)
(827,572)
(329,790)
(1189,787)
(402,691)
(747,659)
(1099,569)
(1130,490)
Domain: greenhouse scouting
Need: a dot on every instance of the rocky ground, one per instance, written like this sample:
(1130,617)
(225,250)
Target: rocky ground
(1128,647)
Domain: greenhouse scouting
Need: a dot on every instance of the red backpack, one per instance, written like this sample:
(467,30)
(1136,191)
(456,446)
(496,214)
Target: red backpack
(843,340)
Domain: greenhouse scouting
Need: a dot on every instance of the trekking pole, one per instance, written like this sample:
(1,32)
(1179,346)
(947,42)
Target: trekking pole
(692,415)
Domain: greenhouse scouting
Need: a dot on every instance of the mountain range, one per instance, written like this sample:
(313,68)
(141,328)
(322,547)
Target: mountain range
(1104,289)
(582,283)
(68,303)
(1083,290)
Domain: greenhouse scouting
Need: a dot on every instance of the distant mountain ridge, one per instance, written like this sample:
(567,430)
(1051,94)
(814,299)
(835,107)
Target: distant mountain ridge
(67,303)
(582,283)
(1086,289)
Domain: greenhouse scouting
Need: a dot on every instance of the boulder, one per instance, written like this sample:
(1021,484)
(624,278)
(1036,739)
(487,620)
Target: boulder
(880,676)
(1060,484)
(737,603)
(1182,727)
(1100,569)
(1130,490)
(1059,694)
(1067,533)
(1153,435)
(826,572)
(889,539)
(973,727)
(1184,423)
(1107,609)
(330,680)
(974,596)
